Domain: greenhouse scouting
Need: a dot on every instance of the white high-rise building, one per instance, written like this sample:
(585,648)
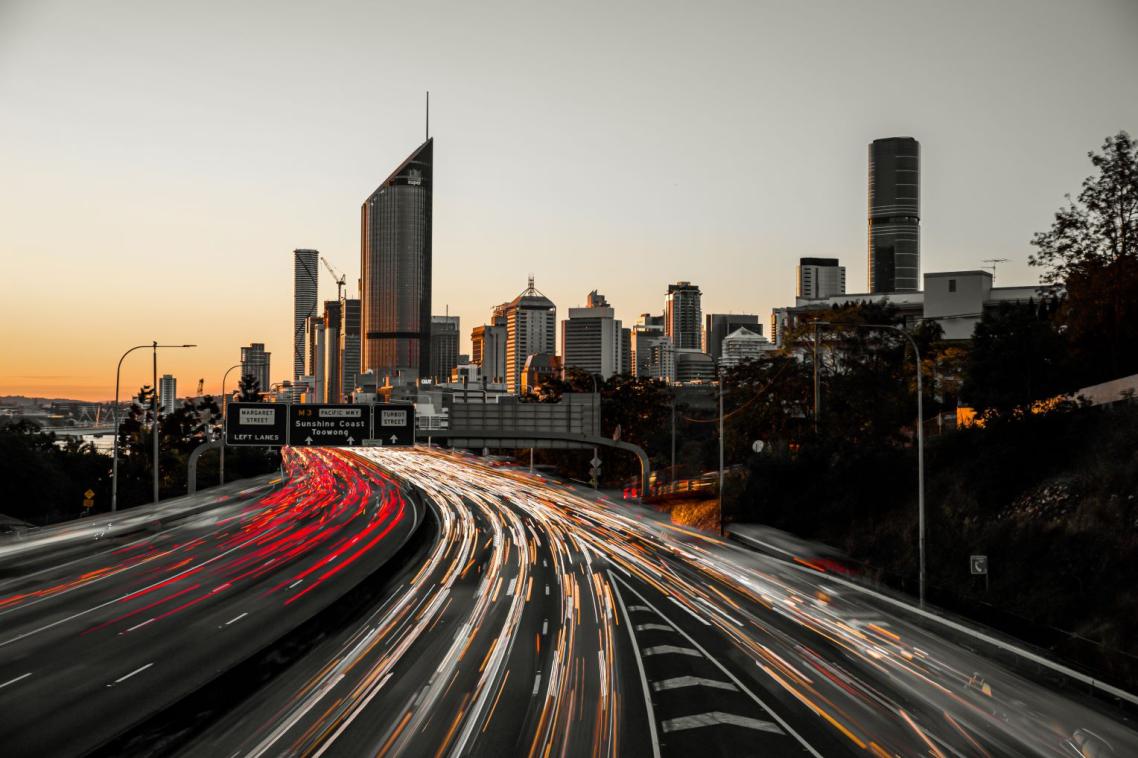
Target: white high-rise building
(683,318)
(743,345)
(531,328)
(820,278)
(167,394)
(591,338)
(646,332)
(255,363)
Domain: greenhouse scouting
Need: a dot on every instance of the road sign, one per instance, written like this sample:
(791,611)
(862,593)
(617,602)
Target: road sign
(758,446)
(88,502)
(596,462)
(90,493)
(337,425)
(256,424)
(978,564)
(393,424)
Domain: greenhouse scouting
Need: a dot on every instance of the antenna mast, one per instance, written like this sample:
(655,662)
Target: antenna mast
(428,125)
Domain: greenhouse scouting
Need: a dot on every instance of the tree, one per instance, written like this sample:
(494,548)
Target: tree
(1017,358)
(1092,249)
(248,389)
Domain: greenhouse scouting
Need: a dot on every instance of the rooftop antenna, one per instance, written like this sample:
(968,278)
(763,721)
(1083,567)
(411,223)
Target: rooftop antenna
(994,261)
(428,129)
(531,281)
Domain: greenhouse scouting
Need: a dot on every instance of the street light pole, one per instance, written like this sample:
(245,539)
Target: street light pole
(115,417)
(920,442)
(721,525)
(224,419)
(154,425)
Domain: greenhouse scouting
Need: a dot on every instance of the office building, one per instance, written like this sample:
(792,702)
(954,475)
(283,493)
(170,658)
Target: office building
(489,350)
(305,264)
(591,338)
(319,389)
(661,360)
(645,333)
(395,271)
(167,394)
(539,367)
(531,328)
(444,347)
(350,347)
(743,345)
(682,316)
(255,363)
(894,215)
(820,278)
(333,357)
(625,351)
(716,326)
(692,365)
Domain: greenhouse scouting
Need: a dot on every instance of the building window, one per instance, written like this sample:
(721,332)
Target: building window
(952,285)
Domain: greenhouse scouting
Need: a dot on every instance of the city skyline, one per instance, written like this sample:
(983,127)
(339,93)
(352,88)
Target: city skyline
(226,188)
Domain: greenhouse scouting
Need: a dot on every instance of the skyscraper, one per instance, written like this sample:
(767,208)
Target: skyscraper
(305,265)
(350,340)
(318,356)
(894,215)
(395,270)
(333,358)
(682,318)
(819,278)
(646,333)
(444,346)
(167,394)
(591,338)
(255,363)
(531,328)
(719,325)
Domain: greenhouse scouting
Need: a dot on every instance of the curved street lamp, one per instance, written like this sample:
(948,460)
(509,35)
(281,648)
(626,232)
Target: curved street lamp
(224,419)
(115,417)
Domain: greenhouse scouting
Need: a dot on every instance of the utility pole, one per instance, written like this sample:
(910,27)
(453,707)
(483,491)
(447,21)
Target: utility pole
(154,405)
(722,526)
(817,394)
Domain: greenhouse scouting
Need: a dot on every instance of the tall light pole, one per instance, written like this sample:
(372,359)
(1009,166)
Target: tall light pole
(722,530)
(115,417)
(224,419)
(920,440)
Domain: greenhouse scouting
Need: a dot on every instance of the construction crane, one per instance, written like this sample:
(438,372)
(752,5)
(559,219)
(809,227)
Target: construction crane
(339,280)
(994,262)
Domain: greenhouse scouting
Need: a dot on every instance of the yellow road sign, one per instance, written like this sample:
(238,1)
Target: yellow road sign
(88,503)
(89,494)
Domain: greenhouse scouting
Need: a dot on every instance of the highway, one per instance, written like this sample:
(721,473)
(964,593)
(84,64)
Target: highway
(91,645)
(537,620)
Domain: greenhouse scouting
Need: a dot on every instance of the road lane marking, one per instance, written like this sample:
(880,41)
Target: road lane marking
(139,670)
(640,670)
(691,681)
(139,626)
(671,649)
(651,627)
(236,618)
(639,608)
(13,681)
(714,718)
(778,719)
(510,589)
(544,626)
(536,684)
(547,589)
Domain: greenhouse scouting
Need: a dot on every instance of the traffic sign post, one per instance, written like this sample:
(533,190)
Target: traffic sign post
(328,425)
(595,470)
(88,499)
(393,424)
(256,424)
(978,565)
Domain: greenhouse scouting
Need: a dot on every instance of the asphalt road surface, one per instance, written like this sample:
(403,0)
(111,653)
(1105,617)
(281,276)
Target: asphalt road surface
(92,645)
(538,621)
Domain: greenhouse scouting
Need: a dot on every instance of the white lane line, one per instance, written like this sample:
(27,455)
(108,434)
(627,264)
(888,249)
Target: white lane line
(510,589)
(544,626)
(536,684)
(691,681)
(13,681)
(639,608)
(640,669)
(718,717)
(547,589)
(139,626)
(139,670)
(298,581)
(236,618)
(651,627)
(787,727)
(670,649)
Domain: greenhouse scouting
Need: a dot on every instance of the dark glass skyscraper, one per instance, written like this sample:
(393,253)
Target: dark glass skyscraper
(894,215)
(395,271)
